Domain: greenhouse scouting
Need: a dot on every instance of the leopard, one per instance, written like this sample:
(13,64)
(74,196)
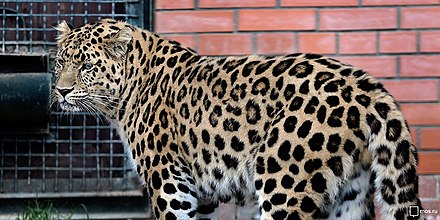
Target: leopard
(302,136)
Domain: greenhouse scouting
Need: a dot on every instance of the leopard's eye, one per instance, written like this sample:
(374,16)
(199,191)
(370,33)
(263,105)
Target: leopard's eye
(87,66)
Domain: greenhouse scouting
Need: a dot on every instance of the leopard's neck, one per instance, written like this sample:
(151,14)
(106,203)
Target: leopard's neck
(148,79)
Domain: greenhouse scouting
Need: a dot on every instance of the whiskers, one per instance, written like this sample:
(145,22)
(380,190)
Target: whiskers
(53,99)
(100,104)
(86,105)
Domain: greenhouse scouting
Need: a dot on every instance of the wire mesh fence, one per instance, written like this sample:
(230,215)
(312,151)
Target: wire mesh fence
(27,26)
(81,155)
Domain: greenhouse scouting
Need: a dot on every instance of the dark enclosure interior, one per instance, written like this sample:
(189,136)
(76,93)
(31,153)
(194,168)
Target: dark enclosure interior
(70,155)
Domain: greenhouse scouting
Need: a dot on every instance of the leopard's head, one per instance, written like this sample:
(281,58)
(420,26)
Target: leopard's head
(90,65)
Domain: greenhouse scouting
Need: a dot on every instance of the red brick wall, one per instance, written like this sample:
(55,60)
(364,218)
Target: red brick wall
(397,41)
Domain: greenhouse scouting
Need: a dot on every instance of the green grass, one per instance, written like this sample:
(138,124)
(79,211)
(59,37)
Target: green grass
(44,211)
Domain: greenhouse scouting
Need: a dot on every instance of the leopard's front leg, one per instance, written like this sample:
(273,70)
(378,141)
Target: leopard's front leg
(172,192)
(168,179)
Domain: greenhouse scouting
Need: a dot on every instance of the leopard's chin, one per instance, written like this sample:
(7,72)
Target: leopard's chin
(65,106)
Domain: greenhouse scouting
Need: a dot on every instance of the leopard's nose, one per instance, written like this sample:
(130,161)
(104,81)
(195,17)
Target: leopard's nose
(64,91)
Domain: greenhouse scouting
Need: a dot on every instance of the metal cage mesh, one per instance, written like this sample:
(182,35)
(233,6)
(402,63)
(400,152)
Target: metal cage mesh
(27,26)
(82,155)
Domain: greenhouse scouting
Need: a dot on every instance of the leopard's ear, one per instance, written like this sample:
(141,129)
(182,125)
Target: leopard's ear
(117,44)
(64,30)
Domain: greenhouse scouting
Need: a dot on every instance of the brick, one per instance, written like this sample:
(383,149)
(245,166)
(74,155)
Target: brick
(413,90)
(275,43)
(225,44)
(321,43)
(398,42)
(430,41)
(429,163)
(434,207)
(317,3)
(429,138)
(174,4)
(427,186)
(186,40)
(236,3)
(378,66)
(194,21)
(358,19)
(414,136)
(420,66)
(357,43)
(421,114)
(428,17)
(285,19)
(398,2)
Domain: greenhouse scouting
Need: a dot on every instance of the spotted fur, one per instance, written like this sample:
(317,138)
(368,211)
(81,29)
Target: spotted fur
(306,136)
